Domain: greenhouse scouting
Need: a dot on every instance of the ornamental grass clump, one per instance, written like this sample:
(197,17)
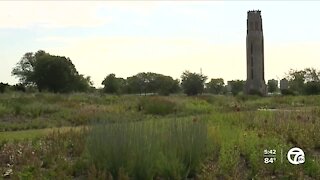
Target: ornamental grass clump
(167,148)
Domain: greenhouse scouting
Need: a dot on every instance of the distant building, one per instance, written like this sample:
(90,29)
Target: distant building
(284,84)
(229,87)
(255,54)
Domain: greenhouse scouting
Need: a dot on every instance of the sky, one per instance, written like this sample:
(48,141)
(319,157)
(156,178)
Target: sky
(167,37)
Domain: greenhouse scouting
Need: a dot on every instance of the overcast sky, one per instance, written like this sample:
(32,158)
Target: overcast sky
(126,38)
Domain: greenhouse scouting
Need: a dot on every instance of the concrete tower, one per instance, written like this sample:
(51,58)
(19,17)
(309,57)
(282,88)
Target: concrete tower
(255,55)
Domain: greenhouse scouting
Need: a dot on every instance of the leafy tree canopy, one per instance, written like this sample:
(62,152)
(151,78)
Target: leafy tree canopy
(112,84)
(192,83)
(49,72)
(148,82)
(305,81)
(215,86)
(272,85)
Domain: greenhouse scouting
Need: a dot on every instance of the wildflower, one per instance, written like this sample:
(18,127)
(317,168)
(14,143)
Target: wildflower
(7,173)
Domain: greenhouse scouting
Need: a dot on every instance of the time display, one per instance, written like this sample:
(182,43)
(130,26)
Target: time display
(270,152)
(269,156)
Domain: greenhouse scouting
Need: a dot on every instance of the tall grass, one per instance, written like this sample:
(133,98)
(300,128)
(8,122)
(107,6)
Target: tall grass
(156,105)
(170,148)
(4,110)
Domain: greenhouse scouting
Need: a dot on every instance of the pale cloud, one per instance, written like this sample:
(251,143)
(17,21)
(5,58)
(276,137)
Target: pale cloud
(50,14)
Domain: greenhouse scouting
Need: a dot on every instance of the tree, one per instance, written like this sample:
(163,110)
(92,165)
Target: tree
(112,84)
(134,85)
(192,83)
(159,83)
(24,69)
(312,87)
(83,84)
(215,86)
(237,86)
(311,74)
(296,80)
(305,81)
(146,82)
(272,85)
(152,83)
(48,72)
(165,85)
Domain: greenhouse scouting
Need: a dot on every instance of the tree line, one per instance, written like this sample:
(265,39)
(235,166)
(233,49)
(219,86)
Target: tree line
(306,81)
(45,72)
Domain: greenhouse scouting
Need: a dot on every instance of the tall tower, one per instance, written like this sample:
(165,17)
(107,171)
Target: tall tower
(255,54)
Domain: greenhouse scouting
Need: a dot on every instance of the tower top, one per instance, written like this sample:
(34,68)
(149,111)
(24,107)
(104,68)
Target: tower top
(254,11)
(254,14)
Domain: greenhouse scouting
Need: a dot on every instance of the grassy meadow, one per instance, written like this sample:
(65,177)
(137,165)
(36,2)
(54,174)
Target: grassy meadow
(98,136)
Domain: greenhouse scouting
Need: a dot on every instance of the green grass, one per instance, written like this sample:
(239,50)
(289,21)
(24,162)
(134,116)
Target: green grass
(32,133)
(21,135)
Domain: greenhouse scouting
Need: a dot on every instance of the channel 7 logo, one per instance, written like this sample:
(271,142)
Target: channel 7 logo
(296,156)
